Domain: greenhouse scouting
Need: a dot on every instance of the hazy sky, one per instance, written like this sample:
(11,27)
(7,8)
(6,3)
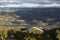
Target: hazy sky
(42,1)
(36,1)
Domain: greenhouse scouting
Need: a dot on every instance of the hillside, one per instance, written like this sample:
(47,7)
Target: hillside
(47,15)
(8,17)
(29,24)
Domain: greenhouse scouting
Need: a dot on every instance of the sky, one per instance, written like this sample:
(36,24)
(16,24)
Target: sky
(35,1)
(42,1)
(29,3)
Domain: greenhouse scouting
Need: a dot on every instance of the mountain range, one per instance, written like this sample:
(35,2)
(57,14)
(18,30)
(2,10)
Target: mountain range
(31,11)
(34,13)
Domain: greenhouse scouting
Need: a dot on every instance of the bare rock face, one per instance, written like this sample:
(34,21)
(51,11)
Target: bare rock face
(35,30)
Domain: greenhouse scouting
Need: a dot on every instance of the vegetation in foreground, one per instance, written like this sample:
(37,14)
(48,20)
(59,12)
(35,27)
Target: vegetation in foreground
(23,34)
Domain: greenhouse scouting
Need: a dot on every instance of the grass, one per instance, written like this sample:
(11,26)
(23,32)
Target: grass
(58,34)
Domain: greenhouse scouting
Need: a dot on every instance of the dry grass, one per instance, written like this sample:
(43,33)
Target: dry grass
(6,28)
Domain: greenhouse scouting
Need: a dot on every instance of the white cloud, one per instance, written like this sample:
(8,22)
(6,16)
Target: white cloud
(50,5)
(21,5)
(33,5)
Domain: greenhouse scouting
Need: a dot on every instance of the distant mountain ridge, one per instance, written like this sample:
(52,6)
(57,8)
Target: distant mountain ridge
(38,13)
(30,14)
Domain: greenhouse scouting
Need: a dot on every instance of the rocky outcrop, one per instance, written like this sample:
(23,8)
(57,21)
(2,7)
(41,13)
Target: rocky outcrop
(35,30)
